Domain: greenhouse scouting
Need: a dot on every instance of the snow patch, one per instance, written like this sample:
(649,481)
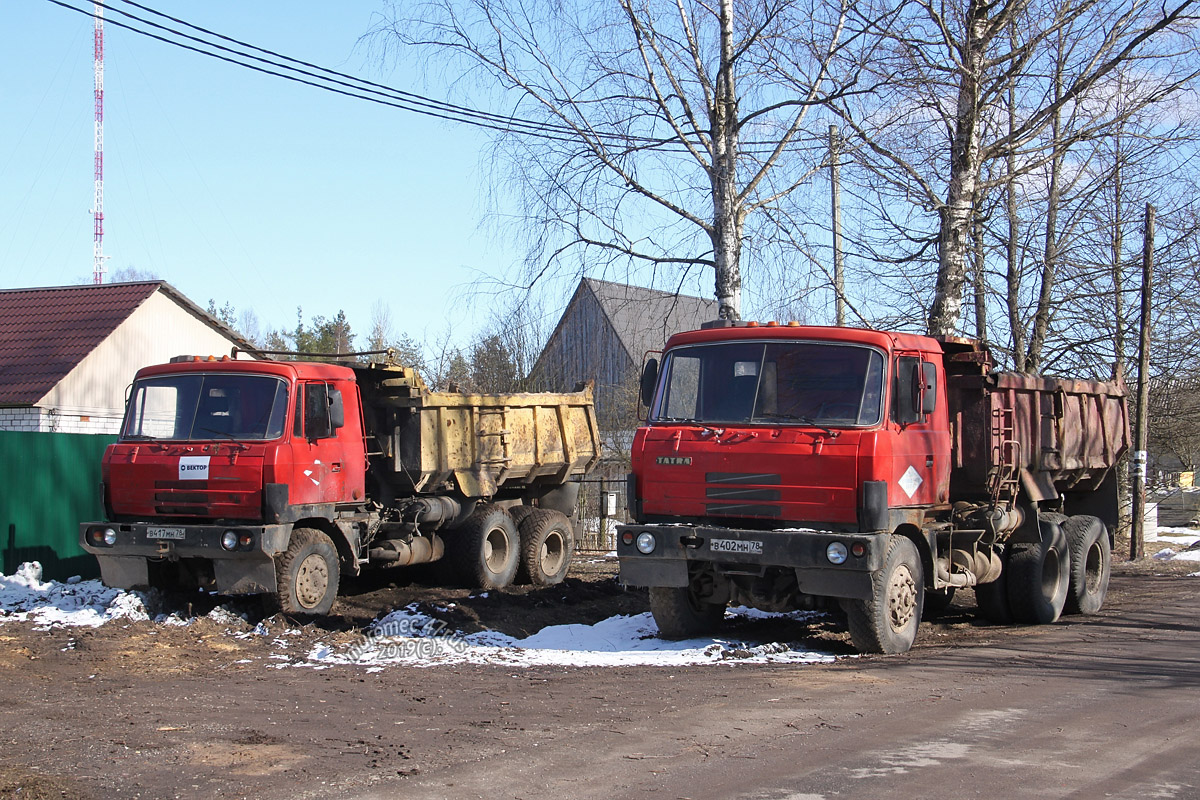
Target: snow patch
(413,638)
(24,596)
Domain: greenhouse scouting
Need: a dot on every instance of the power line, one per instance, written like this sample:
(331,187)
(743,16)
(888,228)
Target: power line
(372,92)
(306,73)
(419,99)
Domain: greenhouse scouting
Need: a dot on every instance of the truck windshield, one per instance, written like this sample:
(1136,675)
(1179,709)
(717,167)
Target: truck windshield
(207,406)
(803,383)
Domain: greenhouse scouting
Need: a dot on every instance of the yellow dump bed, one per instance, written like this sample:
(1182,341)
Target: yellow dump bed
(481,443)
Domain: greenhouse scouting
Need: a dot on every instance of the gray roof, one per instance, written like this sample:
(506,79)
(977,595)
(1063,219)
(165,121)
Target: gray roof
(643,319)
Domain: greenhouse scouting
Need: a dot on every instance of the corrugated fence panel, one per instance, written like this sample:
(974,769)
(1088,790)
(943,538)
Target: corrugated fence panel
(49,483)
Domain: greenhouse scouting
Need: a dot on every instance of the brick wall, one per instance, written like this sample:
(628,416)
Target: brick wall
(53,421)
(20,419)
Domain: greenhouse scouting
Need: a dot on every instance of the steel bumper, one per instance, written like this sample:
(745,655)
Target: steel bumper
(748,552)
(249,570)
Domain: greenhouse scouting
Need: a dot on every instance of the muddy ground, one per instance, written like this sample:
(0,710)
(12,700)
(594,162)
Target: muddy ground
(138,709)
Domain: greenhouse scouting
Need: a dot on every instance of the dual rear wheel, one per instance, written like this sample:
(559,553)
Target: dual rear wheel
(1067,572)
(494,547)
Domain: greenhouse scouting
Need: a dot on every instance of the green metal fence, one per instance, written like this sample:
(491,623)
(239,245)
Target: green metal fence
(49,483)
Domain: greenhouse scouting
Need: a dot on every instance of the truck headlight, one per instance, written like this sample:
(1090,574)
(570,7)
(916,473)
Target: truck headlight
(229,540)
(110,537)
(836,553)
(645,542)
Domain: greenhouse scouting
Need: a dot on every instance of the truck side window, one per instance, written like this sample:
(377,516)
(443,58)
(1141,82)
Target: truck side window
(316,411)
(906,408)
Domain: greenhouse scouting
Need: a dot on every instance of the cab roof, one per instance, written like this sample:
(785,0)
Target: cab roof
(291,370)
(742,331)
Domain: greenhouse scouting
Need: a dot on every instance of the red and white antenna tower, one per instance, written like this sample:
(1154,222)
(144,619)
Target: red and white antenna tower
(98,203)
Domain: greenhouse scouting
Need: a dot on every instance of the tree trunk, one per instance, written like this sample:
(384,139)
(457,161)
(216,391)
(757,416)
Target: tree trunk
(1012,245)
(958,213)
(728,216)
(1041,318)
(979,278)
(1118,247)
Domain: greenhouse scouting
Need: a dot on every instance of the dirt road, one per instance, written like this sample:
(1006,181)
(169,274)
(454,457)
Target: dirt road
(1099,707)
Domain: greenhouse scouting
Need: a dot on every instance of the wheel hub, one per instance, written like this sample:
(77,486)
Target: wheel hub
(495,550)
(551,553)
(901,598)
(312,581)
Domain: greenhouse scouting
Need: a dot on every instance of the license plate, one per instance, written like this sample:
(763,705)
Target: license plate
(164,533)
(750,546)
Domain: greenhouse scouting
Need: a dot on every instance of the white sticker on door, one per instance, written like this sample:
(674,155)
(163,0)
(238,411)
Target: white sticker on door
(910,481)
(193,468)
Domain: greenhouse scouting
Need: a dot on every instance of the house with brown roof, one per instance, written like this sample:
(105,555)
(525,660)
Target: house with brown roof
(603,335)
(67,353)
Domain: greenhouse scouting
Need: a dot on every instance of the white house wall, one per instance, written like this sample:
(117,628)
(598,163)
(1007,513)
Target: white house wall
(91,398)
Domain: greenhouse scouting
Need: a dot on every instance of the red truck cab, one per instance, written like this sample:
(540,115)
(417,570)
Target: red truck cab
(784,425)
(217,459)
(777,464)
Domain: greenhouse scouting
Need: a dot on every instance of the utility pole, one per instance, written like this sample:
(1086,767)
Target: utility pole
(1138,523)
(835,181)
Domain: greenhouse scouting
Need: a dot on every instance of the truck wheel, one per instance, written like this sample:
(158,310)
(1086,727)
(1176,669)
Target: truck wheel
(1091,564)
(1038,576)
(679,614)
(547,544)
(307,574)
(992,597)
(487,548)
(888,621)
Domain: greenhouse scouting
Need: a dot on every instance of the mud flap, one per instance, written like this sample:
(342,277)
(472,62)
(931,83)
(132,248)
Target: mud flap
(824,582)
(654,572)
(244,575)
(123,572)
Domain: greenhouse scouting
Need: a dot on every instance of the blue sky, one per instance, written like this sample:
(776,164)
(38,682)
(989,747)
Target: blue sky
(236,186)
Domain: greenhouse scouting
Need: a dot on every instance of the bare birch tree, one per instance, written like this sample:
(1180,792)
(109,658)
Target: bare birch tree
(663,127)
(952,68)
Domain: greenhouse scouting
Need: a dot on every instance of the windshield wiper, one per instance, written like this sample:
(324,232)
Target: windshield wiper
(801,419)
(692,421)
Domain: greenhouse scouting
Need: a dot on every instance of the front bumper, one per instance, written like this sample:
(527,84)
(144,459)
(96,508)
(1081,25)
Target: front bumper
(748,552)
(248,570)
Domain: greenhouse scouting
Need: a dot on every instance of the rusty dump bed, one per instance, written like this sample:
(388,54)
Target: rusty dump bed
(480,442)
(1047,436)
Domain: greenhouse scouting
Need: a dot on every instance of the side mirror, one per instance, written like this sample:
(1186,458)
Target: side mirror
(337,410)
(928,387)
(649,379)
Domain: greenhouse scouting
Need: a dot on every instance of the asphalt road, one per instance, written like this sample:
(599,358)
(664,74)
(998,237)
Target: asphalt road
(1103,707)
(1107,707)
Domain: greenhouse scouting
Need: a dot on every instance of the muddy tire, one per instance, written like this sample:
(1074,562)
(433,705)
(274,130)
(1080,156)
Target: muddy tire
(1039,576)
(679,614)
(547,545)
(936,602)
(519,513)
(888,621)
(307,574)
(486,548)
(1091,564)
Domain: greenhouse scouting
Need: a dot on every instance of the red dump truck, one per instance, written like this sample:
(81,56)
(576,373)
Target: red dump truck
(279,477)
(789,467)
